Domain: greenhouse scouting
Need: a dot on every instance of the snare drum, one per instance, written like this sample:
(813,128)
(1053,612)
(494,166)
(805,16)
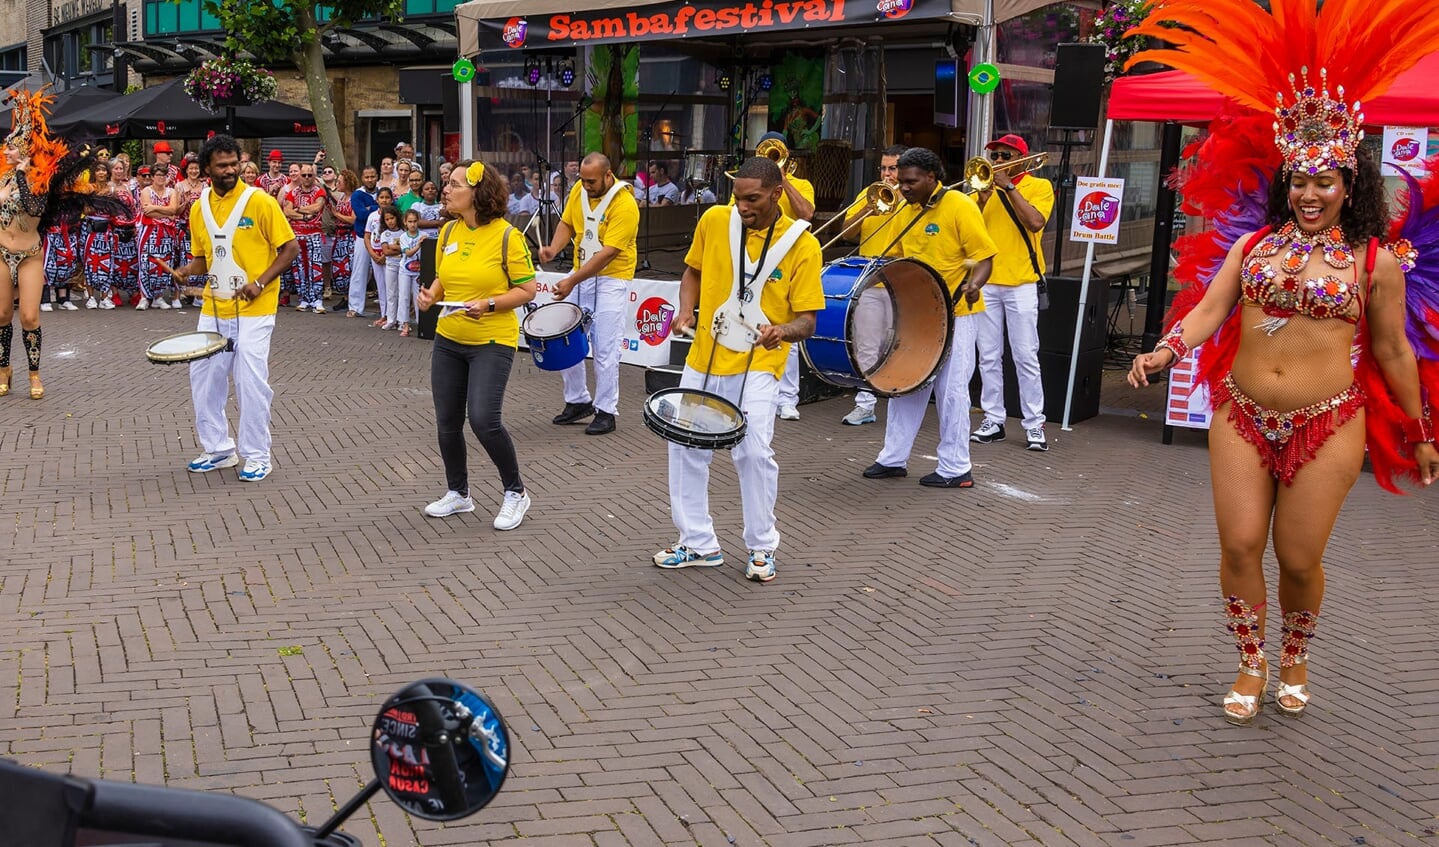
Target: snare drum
(886,326)
(186,347)
(690,417)
(555,333)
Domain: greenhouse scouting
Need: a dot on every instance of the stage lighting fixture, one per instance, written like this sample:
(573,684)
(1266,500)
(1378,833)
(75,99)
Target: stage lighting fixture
(533,71)
(567,73)
(723,80)
(766,81)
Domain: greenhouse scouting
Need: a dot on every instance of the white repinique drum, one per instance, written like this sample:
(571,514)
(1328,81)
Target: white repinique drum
(186,347)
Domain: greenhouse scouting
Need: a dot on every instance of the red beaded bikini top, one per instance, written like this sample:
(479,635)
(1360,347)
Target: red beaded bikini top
(1279,290)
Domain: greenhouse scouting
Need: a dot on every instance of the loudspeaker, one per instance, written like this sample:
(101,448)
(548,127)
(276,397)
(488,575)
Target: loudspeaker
(1053,378)
(1078,82)
(947,89)
(429,317)
(1056,324)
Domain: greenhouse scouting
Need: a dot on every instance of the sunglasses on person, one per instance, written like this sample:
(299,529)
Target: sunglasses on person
(1000,155)
(329,171)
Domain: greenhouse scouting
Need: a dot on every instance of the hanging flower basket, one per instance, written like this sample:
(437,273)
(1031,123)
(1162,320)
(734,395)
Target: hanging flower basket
(218,83)
(1109,28)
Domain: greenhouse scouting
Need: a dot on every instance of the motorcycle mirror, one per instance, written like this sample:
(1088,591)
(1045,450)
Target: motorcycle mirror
(440,749)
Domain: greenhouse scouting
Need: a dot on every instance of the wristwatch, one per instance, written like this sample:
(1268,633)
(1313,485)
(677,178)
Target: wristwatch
(1010,187)
(492,304)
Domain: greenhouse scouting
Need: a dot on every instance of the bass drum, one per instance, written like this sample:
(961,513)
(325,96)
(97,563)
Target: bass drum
(690,417)
(886,327)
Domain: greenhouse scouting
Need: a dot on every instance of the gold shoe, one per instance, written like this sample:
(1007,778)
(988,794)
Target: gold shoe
(37,390)
(1250,705)
(5,374)
(1298,694)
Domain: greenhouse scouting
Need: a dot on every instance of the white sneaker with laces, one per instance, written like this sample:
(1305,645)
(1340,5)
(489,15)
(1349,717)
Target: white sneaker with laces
(69,306)
(142,305)
(255,470)
(91,304)
(107,303)
(859,416)
(512,511)
(46,307)
(1036,439)
(159,303)
(177,303)
(453,503)
(789,412)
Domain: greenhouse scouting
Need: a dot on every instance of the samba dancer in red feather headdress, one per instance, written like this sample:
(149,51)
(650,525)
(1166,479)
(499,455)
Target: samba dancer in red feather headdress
(1284,287)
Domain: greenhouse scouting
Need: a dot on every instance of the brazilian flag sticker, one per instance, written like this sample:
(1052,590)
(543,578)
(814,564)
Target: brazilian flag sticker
(984,78)
(463,70)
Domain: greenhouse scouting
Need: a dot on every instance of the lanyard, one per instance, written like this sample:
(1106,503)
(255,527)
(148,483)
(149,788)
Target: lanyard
(746,282)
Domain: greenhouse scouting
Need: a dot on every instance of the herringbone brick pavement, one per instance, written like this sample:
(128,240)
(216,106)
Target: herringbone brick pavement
(1035,661)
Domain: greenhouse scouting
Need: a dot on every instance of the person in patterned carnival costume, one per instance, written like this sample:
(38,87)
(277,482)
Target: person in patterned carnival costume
(1284,286)
(44,185)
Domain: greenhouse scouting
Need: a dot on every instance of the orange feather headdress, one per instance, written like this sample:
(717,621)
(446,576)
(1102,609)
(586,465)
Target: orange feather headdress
(1254,56)
(30,134)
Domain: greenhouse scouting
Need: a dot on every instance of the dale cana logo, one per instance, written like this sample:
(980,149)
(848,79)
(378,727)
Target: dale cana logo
(1098,210)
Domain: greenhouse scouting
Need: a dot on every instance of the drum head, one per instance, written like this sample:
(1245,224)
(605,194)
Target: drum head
(695,418)
(552,320)
(917,326)
(185,347)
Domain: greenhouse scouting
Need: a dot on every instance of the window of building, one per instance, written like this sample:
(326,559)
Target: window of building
(14,58)
(173,17)
(70,58)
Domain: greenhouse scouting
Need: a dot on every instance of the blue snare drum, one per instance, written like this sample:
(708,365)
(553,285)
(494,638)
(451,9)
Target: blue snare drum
(555,333)
(886,326)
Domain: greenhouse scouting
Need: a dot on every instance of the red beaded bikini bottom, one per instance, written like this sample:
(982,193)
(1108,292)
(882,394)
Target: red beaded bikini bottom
(1286,440)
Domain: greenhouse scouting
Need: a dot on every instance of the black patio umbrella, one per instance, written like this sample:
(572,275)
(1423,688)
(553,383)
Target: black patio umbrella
(166,111)
(70,101)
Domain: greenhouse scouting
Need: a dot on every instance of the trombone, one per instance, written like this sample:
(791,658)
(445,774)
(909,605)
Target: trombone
(776,151)
(880,198)
(979,172)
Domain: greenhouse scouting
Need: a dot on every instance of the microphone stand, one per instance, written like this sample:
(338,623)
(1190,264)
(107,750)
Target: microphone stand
(585,102)
(649,154)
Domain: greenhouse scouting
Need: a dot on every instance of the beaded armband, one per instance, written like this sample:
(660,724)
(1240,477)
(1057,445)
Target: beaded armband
(1174,343)
(1419,431)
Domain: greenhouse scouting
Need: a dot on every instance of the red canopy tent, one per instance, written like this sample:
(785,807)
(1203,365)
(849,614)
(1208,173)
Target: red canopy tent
(1413,99)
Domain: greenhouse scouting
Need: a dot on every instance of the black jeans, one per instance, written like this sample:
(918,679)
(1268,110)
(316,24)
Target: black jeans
(472,378)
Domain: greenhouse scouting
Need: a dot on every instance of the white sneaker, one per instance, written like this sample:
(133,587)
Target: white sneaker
(452,503)
(142,305)
(69,306)
(91,304)
(46,307)
(512,511)
(859,416)
(107,303)
(177,304)
(788,412)
(159,303)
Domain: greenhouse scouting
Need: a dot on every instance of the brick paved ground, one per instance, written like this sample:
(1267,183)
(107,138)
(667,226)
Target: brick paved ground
(1035,661)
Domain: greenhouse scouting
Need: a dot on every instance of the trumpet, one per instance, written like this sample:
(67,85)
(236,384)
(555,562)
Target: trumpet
(979,172)
(880,198)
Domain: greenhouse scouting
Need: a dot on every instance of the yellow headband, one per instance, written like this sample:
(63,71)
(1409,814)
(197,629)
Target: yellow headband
(474,173)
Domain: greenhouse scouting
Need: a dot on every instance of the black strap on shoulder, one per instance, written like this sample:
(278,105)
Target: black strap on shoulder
(1023,232)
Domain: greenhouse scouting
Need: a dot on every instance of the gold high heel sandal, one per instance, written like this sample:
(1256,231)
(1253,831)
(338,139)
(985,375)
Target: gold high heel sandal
(1250,705)
(37,389)
(5,374)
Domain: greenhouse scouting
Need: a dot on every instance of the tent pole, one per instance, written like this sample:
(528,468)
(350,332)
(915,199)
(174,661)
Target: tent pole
(1163,238)
(980,125)
(467,120)
(1084,289)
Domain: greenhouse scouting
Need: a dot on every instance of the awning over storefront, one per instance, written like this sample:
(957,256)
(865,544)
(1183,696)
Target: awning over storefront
(502,25)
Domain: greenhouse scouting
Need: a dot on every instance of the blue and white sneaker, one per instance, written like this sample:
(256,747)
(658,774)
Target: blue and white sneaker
(680,556)
(206,462)
(254,470)
(761,566)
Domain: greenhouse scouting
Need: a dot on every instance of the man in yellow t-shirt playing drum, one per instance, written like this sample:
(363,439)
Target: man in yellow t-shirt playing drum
(780,271)
(240,236)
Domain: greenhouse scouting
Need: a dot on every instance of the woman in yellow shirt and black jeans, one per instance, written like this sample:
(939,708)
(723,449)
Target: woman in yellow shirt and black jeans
(482,262)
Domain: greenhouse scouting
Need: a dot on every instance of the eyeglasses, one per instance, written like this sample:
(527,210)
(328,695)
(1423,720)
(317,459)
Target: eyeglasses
(329,172)
(1000,155)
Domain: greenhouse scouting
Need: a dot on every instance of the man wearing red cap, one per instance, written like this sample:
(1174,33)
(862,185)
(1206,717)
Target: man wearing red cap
(1015,210)
(163,154)
(274,179)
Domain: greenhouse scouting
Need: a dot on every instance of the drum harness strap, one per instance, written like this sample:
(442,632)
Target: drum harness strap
(222,249)
(934,201)
(590,238)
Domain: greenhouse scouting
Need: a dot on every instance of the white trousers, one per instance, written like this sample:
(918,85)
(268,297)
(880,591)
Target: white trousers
(753,461)
(402,289)
(788,394)
(873,333)
(382,288)
(360,268)
(249,366)
(951,390)
(604,298)
(1016,306)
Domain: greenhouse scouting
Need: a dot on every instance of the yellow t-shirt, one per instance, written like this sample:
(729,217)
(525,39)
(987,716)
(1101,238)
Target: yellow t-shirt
(792,288)
(618,227)
(1011,264)
(468,267)
(805,189)
(951,233)
(262,231)
(871,244)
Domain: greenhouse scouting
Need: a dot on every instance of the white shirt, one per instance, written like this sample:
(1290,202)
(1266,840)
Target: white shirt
(656,194)
(525,204)
(392,236)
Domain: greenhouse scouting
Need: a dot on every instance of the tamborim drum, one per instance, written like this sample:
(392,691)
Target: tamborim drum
(693,418)
(186,347)
(886,326)
(556,335)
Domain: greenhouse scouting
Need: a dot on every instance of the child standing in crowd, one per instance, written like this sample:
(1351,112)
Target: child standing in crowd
(373,227)
(429,207)
(409,279)
(390,236)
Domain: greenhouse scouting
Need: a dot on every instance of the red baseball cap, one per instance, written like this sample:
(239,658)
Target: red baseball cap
(143,171)
(1009,141)
(163,147)
(276,156)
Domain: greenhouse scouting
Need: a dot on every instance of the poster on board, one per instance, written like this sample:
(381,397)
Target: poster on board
(1406,148)
(1097,210)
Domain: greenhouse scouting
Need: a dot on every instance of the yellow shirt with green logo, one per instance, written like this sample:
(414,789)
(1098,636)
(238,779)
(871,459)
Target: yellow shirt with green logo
(1012,265)
(619,226)
(261,232)
(949,233)
(792,288)
(468,265)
